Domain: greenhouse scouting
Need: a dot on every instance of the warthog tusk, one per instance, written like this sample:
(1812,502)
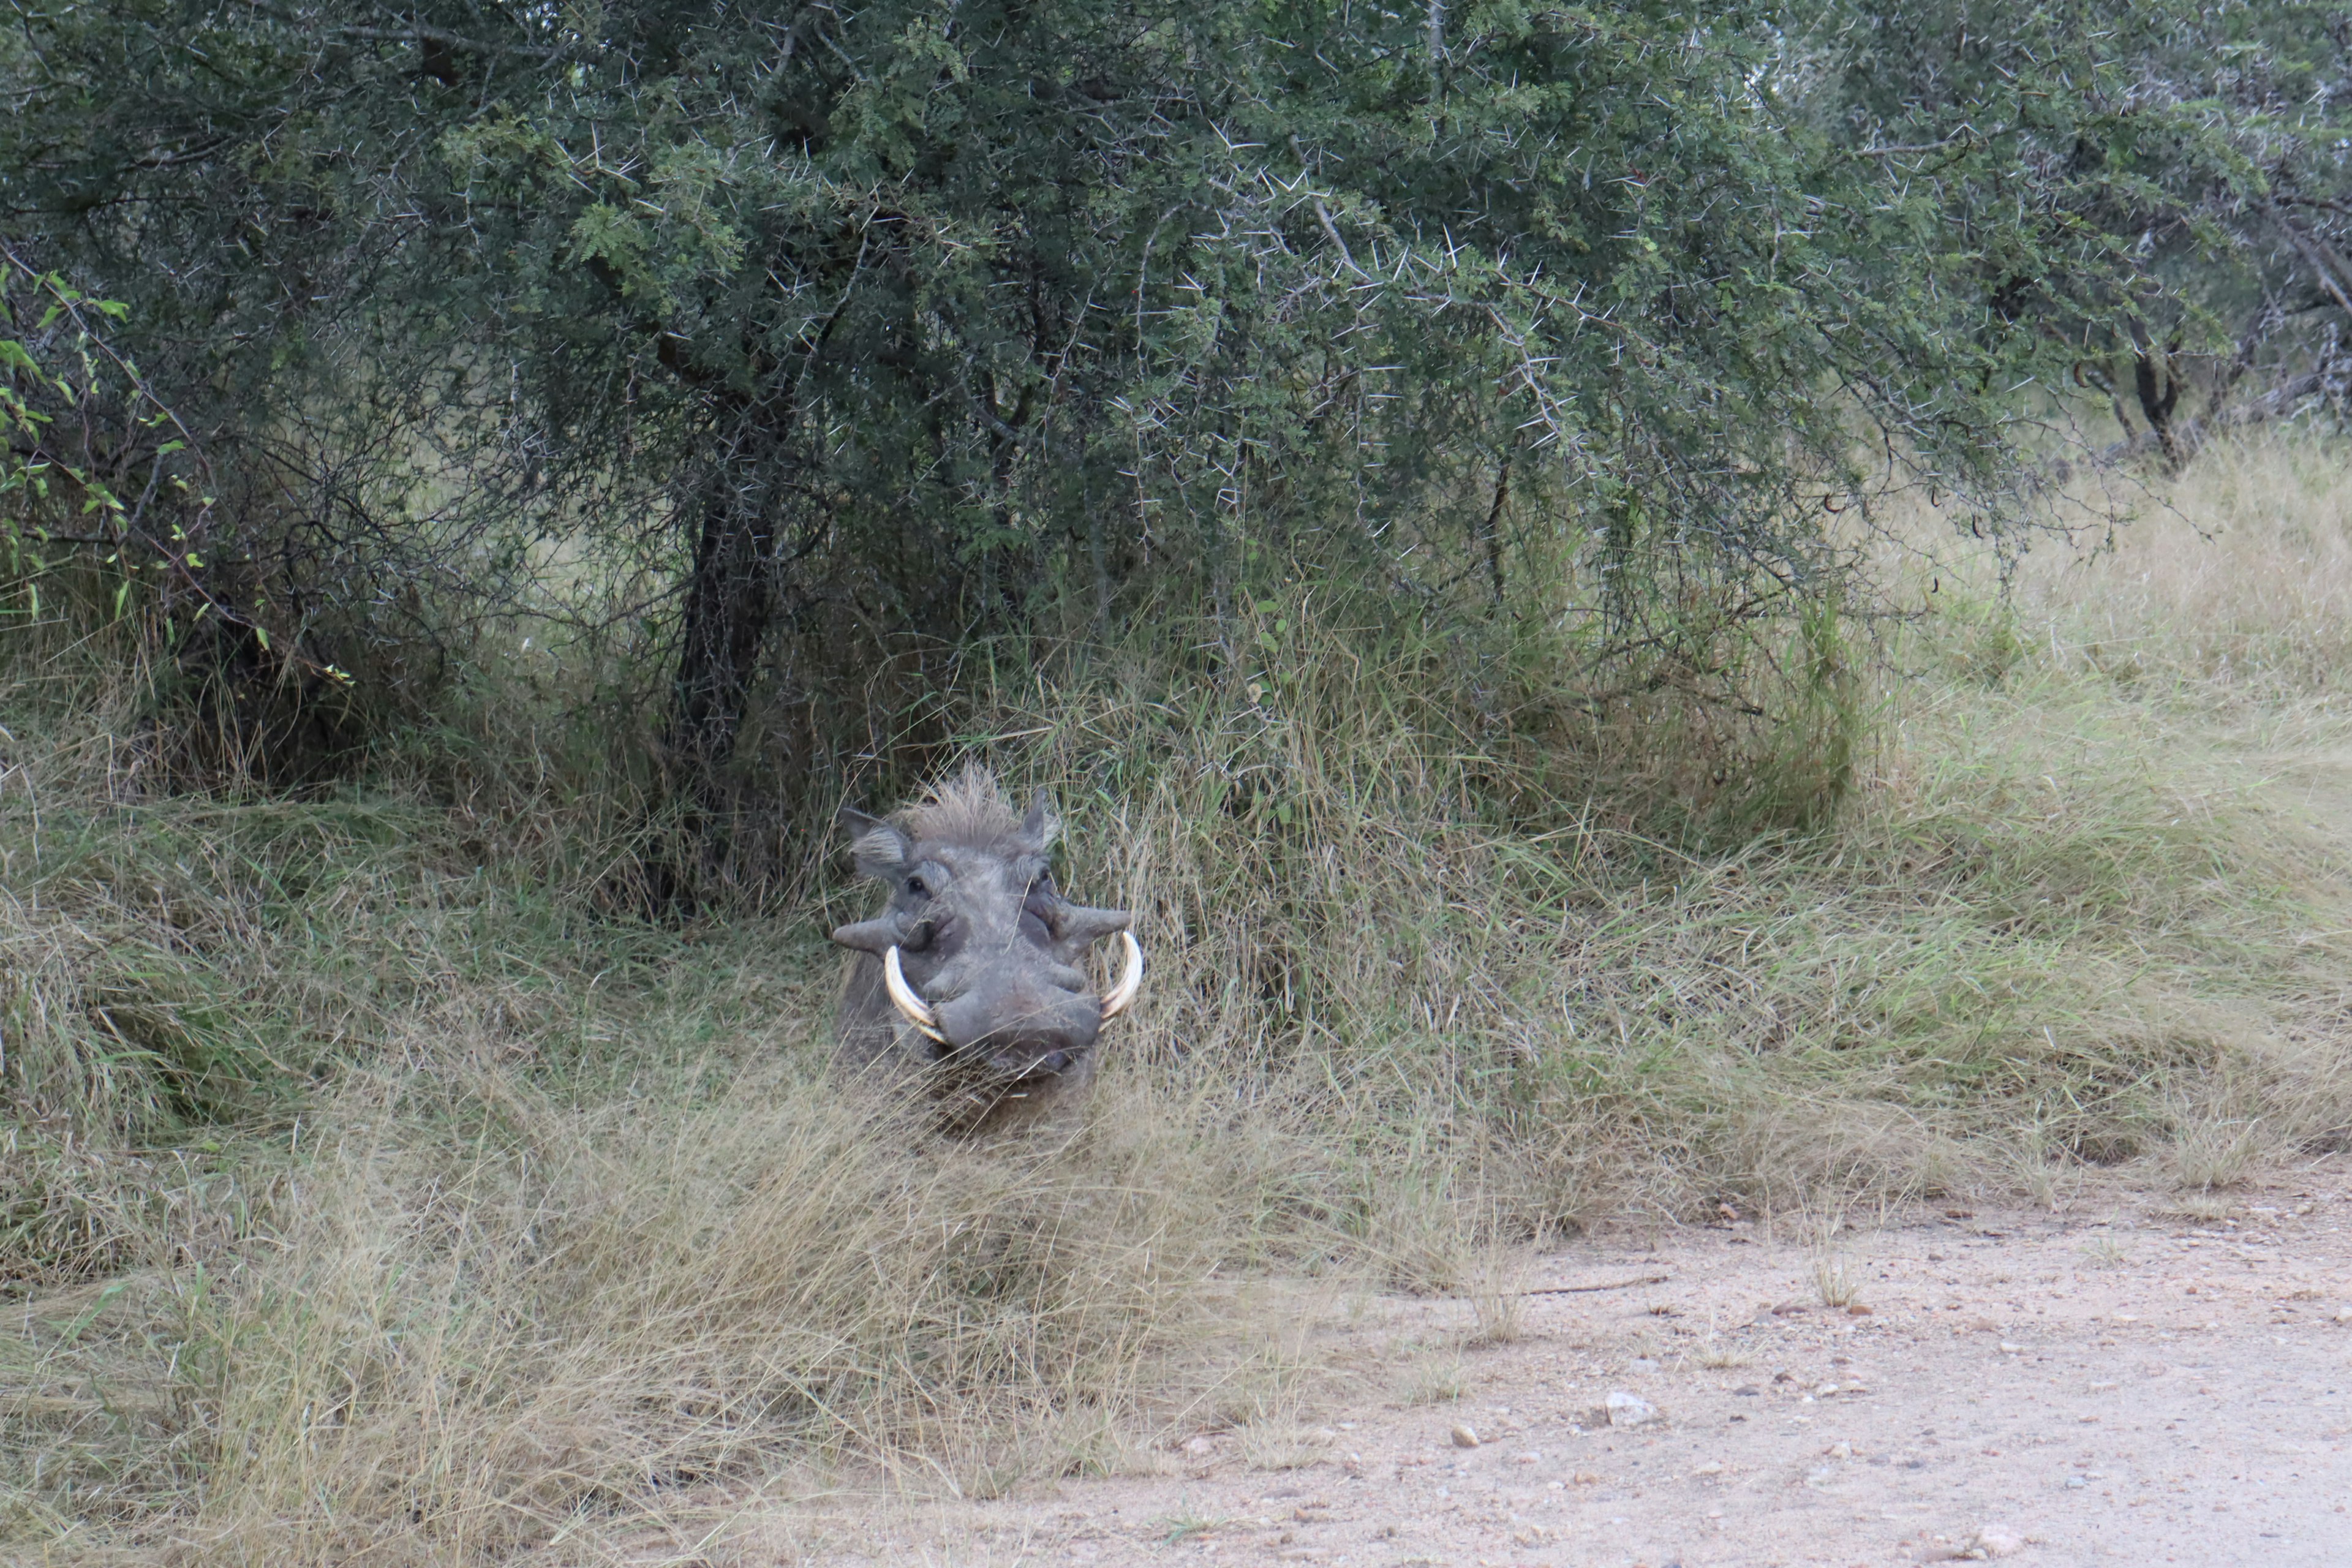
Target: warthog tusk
(1130,983)
(902,995)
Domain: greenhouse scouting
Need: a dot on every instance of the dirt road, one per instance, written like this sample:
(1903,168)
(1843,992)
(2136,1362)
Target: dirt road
(2114,1383)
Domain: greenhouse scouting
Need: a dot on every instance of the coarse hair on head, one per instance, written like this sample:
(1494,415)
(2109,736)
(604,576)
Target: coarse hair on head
(971,809)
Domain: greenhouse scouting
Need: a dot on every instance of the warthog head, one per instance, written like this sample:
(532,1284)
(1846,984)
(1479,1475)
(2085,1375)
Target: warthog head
(974,965)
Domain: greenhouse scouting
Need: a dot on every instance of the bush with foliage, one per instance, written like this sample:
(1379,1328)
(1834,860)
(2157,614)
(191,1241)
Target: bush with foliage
(794,353)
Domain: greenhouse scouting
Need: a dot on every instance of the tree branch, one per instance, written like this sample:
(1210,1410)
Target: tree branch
(413,33)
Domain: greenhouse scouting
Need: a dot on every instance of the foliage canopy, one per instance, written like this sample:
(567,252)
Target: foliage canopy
(832,339)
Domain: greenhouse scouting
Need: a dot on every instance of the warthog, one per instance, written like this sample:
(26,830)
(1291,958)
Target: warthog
(970,972)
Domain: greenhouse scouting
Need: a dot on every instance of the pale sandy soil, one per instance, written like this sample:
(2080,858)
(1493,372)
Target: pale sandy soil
(2112,1383)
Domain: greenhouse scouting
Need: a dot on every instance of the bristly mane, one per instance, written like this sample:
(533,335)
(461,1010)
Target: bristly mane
(968,809)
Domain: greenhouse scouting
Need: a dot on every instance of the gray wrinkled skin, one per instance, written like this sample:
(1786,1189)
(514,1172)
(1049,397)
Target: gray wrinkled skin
(988,940)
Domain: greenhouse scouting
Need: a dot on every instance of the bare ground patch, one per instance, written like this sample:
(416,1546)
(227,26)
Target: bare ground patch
(2119,1381)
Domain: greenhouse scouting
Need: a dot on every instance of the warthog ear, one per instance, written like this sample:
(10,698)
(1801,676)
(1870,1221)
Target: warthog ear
(1043,825)
(880,849)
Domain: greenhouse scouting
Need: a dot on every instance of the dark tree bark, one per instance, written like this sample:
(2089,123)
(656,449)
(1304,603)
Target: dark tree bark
(2159,394)
(1491,533)
(2158,386)
(732,606)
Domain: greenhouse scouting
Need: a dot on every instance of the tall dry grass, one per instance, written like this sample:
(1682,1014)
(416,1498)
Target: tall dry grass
(378,1196)
(2233,582)
(564,1326)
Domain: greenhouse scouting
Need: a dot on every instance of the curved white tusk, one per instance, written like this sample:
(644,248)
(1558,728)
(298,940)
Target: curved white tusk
(902,995)
(1123,994)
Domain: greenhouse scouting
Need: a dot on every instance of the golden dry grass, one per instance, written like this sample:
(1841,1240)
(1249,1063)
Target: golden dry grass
(2234,583)
(374,1197)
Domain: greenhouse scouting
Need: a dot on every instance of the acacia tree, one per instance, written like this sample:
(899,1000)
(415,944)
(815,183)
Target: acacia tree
(851,326)
(2181,176)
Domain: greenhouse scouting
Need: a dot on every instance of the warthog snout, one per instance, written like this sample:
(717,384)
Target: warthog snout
(1025,1030)
(973,966)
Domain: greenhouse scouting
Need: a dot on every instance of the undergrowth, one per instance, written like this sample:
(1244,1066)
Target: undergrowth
(376,1188)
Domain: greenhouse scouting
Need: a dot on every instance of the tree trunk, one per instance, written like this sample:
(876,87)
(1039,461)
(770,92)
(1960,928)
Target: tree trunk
(731,611)
(2159,392)
(1491,533)
(2157,384)
(730,604)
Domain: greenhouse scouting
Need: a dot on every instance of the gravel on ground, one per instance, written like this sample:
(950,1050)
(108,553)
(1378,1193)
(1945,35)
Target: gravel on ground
(2130,1379)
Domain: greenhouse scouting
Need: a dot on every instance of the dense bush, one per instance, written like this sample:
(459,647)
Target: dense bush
(784,355)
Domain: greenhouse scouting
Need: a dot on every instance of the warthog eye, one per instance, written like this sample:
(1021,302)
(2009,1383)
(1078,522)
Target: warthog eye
(915,886)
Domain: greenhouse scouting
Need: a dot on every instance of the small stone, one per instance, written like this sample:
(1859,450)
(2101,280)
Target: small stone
(1200,1447)
(1629,1409)
(2344,1314)
(1463,1437)
(1995,1541)
(2008,1349)
(1641,1364)
(1712,1468)
(1840,1450)
(1825,1390)
(1748,1391)
(2075,1483)
(1857,1310)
